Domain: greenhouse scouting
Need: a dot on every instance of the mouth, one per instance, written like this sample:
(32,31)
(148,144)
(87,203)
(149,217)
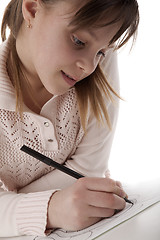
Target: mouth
(70,80)
(69,76)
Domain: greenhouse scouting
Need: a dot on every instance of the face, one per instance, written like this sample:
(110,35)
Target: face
(54,56)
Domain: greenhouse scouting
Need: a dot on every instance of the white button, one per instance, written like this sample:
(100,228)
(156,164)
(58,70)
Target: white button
(50,140)
(46,124)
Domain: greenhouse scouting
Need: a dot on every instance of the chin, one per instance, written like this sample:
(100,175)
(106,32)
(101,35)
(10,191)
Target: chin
(58,92)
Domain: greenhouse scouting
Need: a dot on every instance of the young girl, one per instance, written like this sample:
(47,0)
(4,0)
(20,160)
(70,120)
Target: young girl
(57,74)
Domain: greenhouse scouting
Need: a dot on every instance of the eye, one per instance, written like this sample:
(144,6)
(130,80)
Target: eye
(101,53)
(78,42)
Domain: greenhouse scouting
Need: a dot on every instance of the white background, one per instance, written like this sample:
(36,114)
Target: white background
(135,153)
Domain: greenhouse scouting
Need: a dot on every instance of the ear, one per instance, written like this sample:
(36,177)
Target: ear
(29,9)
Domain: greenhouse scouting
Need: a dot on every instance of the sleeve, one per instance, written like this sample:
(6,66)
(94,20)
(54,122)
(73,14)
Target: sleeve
(23,214)
(92,154)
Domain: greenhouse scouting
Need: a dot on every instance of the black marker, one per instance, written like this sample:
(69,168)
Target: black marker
(128,201)
(50,162)
(54,164)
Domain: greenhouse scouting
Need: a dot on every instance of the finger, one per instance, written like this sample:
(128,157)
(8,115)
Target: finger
(101,212)
(90,221)
(104,200)
(115,202)
(102,184)
(119,184)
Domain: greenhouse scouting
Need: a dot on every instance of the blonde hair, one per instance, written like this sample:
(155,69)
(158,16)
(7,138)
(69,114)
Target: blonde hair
(95,88)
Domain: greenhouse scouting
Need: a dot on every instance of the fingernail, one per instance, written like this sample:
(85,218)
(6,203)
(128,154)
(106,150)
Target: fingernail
(123,194)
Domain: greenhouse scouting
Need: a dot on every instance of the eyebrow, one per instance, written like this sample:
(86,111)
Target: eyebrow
(92,34)
(95,37)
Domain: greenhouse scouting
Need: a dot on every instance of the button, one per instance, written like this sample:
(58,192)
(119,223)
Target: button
(46,124)
(50,140)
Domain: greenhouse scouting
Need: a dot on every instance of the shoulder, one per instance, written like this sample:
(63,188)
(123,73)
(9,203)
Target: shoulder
(4,49)
(7,93)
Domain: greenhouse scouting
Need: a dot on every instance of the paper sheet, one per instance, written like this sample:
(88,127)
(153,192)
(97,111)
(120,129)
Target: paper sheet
(143,195)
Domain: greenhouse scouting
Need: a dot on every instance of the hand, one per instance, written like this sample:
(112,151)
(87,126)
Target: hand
(84,203)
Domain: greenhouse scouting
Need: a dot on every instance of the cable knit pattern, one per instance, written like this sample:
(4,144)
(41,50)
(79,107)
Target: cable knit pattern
(15,133)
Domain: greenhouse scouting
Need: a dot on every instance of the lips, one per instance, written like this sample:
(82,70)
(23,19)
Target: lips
(70,76)
(70,80)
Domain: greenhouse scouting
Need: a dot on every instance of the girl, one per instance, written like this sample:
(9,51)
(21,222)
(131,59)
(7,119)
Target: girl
(57,75)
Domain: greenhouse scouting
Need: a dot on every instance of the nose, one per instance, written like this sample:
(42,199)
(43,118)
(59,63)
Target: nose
(87,65)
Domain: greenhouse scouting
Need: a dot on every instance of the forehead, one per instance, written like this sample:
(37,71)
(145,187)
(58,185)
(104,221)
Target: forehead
(70,8)
(65,12)
(62,8)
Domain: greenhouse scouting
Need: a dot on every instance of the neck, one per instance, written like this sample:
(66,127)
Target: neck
(34,97)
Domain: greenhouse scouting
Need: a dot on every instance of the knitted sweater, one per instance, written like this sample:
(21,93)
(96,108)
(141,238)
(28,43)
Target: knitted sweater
(26,184)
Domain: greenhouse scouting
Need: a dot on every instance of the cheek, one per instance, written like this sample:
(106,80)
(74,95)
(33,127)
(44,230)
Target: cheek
(45,54)
(53,52)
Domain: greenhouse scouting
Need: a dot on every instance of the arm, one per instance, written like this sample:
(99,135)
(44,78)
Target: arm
(23,214)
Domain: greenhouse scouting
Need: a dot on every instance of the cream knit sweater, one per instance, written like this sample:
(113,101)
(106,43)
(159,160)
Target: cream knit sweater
(26,184)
